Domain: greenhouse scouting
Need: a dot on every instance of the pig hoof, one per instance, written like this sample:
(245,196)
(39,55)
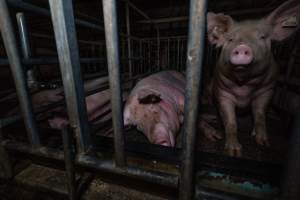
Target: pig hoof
(262,139)
(233,149)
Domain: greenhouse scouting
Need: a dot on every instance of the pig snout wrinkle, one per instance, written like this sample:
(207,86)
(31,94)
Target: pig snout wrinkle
(241,55)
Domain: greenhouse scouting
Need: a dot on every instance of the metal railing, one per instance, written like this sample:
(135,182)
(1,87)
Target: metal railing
(63,20)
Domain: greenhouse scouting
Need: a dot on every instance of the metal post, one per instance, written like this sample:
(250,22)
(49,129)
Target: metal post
(128,40)
(195,50)
(6,170)
(291,182)
(26,50)
(10,44)
(67,49)
(69,163)
(112,44)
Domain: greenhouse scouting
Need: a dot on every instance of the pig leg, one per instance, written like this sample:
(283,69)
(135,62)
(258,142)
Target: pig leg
(227,111)
(259,106)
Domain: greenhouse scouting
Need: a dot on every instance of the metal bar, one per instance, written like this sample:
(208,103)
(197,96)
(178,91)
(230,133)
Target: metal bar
(26,50)
(53,61)
(10,44)
(128,40)
(92,164)
(148,18)
(232,13)
(66,42)
(195,51)
(291,181)
(6,170)
(33,8)
(69,156)
(112,44)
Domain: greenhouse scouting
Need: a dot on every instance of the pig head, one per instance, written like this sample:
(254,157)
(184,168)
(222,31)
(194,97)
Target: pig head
(246,70)
(155,106)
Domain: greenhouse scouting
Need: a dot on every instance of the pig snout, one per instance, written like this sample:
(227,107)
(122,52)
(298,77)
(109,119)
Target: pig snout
(241,55)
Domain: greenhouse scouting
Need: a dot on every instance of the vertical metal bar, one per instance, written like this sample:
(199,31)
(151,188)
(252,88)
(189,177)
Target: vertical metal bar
(67,49)
(141,55)
(128,40)
(195,50)
(69,156)
(291,181)
(178,55)
(26,50)
(10,44)
(112,44)
(168,52)
(6,170)
(149,54)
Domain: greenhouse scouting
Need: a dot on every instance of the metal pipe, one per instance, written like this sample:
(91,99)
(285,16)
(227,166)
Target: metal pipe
(291,181)
(195,51)
(26,50)
(128,40)
(53,61)
(93,164)
(39,10)
(6,170)
(10,44)
(66,42)
(112,44)
(69,156)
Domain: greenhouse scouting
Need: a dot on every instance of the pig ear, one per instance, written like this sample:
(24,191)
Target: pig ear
(148,97)
(285,20)
(217,26)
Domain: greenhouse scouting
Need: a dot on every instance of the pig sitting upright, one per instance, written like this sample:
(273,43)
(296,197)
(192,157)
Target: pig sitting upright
(156,106)
(246,70)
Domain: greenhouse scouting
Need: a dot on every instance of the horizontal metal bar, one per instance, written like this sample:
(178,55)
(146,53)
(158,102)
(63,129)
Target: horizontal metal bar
(54,61)
(93,164)
(14,58)
(185,18)
(39,10)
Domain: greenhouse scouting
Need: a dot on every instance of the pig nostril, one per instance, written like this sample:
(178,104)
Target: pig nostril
(236,52)
(246,52)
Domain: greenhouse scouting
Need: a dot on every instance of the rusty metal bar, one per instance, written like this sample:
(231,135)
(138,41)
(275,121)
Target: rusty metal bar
(67,48)
(11,48)
(195,54)
(112,44)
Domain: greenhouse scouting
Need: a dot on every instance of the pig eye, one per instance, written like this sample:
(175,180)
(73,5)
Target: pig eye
(230,39)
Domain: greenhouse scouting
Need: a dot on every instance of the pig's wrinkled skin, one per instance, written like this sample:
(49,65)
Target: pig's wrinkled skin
(156,106)
(246,70)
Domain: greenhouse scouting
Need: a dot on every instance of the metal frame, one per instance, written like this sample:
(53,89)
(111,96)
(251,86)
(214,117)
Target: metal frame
(8,36)
(67,48)
(66,43)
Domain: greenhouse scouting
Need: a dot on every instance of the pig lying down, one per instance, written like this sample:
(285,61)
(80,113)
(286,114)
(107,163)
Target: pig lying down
(156,105)
(98,105)
(246,71)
